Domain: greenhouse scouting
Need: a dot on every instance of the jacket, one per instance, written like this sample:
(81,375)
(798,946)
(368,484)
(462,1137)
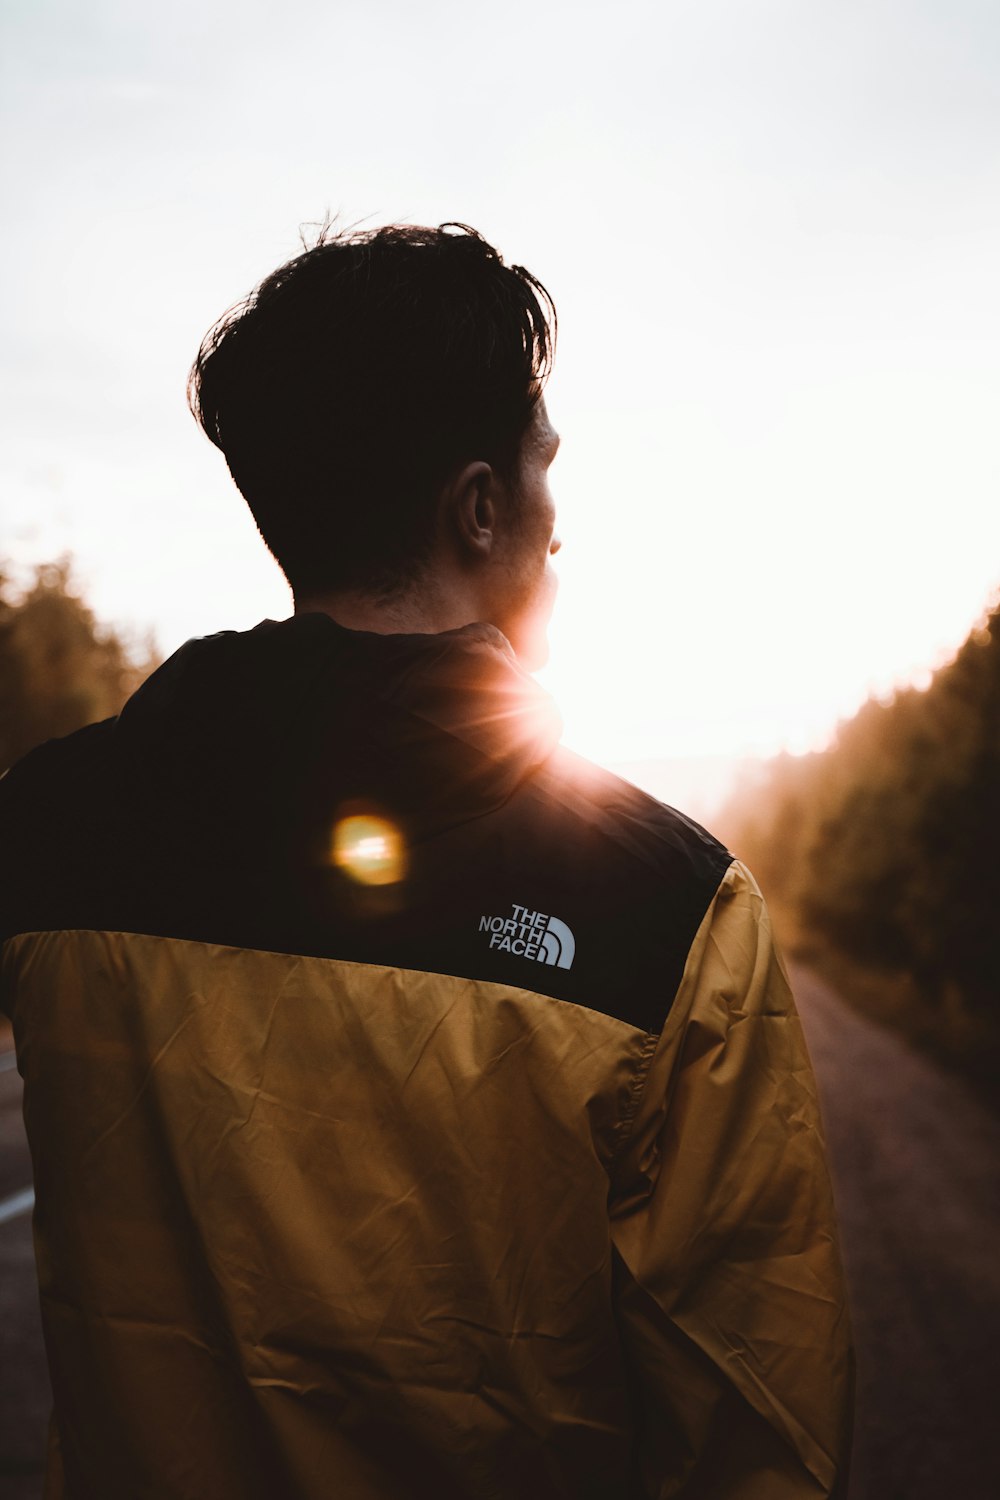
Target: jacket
(415,1109)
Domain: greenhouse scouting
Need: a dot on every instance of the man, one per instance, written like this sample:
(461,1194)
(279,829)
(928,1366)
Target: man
(415,1109)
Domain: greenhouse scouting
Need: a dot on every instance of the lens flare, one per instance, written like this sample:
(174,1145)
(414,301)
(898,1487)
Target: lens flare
(369,849)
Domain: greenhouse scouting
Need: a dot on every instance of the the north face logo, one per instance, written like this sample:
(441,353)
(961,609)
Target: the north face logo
(531,934)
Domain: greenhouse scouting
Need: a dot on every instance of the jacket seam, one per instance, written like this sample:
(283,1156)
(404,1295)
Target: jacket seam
(637,1087)
(354,963)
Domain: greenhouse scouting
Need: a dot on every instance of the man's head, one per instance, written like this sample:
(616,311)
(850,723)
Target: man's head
(379,403)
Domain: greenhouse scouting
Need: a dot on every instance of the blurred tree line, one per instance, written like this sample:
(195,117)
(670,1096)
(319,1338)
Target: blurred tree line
(878,855)
(59,669)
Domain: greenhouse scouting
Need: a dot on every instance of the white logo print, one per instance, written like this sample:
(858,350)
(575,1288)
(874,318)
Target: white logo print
(531,934)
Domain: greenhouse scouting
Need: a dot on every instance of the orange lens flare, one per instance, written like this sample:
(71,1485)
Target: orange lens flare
(369,849)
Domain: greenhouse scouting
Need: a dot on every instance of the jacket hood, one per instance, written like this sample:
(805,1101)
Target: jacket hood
(444,726)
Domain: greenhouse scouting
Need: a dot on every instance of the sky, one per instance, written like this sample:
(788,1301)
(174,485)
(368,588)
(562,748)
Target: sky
(772,232)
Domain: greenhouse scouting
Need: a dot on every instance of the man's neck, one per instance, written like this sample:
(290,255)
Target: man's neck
(425,610)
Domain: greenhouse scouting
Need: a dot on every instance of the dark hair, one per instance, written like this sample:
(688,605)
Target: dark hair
(348,386)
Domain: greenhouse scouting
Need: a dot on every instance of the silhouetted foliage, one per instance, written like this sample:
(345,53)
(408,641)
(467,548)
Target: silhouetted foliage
(59,669)
(881,849)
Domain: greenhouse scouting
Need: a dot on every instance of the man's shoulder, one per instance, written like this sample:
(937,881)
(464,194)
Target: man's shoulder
(635,829)
(45,799)
(56,764)
(592,886)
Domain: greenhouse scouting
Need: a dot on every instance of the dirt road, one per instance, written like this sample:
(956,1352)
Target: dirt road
(916,1171)
(916,1167)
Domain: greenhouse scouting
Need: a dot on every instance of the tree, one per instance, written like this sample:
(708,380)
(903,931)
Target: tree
(879,853)
(59,669)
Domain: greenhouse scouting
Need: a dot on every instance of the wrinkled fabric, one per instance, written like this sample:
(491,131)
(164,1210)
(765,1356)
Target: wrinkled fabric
(309,1227)
(731,1293)
(339,1190)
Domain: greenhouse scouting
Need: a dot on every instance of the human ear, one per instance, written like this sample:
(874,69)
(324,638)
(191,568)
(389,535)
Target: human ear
(472,510)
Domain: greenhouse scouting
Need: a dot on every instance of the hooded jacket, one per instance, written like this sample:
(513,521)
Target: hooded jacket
(470,1151)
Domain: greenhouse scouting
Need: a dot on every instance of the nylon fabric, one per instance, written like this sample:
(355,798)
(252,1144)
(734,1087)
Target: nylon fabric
(430,1235)
(730,1285)
(360,1210)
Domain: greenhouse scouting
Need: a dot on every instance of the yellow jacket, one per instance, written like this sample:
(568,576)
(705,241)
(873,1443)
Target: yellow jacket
(337,1195)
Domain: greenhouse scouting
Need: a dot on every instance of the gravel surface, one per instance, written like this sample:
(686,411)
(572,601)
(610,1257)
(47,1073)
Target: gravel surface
(916,1170)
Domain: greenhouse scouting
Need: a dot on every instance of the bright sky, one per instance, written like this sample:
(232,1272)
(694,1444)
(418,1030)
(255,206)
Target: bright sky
(772,231)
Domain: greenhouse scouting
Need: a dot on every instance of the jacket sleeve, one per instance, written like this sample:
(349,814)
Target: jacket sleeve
(728,1285)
